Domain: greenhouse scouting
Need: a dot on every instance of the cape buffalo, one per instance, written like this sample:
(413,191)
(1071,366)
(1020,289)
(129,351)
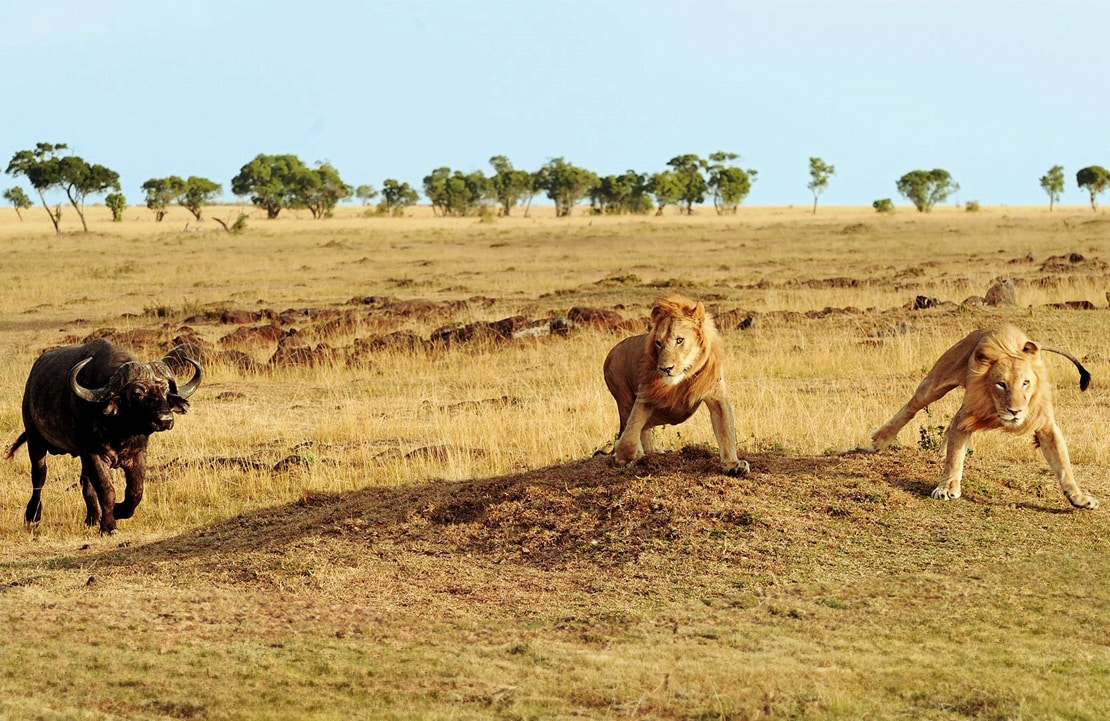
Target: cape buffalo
(96,402)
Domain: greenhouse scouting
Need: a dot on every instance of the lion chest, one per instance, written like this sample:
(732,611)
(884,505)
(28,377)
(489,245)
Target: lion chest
(672,415)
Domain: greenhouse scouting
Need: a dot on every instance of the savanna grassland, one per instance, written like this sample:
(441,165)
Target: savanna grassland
(388,501)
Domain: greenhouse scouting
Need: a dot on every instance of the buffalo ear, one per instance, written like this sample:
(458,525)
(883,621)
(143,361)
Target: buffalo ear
(111,408)
(177,403)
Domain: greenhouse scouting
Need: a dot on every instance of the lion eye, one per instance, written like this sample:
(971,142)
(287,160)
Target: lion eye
(658,344)
(1025,383)
(1001,385)
(678,341)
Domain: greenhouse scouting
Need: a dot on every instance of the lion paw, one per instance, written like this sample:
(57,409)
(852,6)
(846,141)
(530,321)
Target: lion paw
(740,468)
(944,493)
(1082,500)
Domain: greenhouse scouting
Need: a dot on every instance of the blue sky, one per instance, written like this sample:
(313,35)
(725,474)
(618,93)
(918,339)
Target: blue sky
(995,92)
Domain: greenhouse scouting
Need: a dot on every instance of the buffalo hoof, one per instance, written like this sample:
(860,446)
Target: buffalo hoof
(34,512)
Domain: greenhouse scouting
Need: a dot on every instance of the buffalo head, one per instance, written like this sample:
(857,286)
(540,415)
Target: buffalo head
(143,395)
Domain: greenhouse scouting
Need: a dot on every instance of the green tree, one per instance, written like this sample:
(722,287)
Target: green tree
(665,188)
(688,174)
(273,182)
(926,188)
(80,179)
(456,193)
(42,168)
(619,194)
(1052,183)
(730,185)
(366,193)
(160,192)
(819,174)
(117,204)
(1095,179)
(508,185)
(565,184)
(19,200)
(198,192)
(320,189)
(396,196)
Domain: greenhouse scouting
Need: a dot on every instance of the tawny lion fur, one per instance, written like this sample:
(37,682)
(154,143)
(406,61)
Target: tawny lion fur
(1006,387)
(661,377)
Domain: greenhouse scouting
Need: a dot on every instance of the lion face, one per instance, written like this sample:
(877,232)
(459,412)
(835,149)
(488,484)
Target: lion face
(1012,382)
(678,348)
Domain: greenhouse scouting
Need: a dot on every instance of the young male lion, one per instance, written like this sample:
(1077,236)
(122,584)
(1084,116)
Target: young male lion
(663,376)
(1006,388)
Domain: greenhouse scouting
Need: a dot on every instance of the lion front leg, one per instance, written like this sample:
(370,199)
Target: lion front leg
(1055,450)
(927,392)
(630,445)
(955,454)
(724,428)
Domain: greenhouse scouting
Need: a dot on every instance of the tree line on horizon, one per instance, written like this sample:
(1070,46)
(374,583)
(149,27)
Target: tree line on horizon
(278,182)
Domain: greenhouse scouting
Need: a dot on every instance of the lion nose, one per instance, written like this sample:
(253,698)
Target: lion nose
(666,370)
(1014,413)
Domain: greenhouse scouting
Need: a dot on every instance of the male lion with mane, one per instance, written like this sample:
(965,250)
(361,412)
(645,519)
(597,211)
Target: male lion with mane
(661,377)
(1006,387)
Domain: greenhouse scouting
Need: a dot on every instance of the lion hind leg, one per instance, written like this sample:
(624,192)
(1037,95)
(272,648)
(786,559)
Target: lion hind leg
(927,392)
(630,445)
(1055,450)
(956,452)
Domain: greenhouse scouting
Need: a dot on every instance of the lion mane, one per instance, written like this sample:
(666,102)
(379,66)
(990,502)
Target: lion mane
(1006,387)
(663,376)
(703,379)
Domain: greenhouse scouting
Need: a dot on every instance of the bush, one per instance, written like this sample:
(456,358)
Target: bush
(116,202)
(883,205)
(973,206)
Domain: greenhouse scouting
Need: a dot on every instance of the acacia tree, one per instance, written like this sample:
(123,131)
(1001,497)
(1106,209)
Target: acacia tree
(366,193)
(565,184)
(1095,179)
(273,182)
(619,194)
(396,196)
(730,185)
(692,184)
(508,186)
(80,180)
(19,200)
(319,189)
(665,188)
(1052,183)
(926,188)
(198,192)
(160,192)
(42,168)
(819,174)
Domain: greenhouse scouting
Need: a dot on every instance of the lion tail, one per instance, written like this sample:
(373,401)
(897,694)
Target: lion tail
(1084,376)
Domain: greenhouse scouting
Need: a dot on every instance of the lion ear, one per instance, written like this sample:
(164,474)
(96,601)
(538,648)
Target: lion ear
(656,314)
(981,358)
(698,312)
(1031,348)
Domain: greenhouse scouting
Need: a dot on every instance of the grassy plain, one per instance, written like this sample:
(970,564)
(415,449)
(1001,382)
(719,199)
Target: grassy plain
(396,532)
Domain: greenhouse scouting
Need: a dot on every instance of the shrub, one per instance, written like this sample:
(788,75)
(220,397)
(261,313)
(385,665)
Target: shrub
(883,205)
(973,206)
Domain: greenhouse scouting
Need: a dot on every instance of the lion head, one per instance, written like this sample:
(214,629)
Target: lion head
(683,351)
(1006,387)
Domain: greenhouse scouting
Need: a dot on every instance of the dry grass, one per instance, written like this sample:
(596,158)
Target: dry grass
(427,534)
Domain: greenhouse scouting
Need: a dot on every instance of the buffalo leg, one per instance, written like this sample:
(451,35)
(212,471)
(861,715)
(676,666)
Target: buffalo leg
(99,475)
(36,450)
(92,504)
(134,471)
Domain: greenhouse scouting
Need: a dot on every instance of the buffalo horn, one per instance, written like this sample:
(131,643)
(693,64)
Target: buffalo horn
(106,391)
